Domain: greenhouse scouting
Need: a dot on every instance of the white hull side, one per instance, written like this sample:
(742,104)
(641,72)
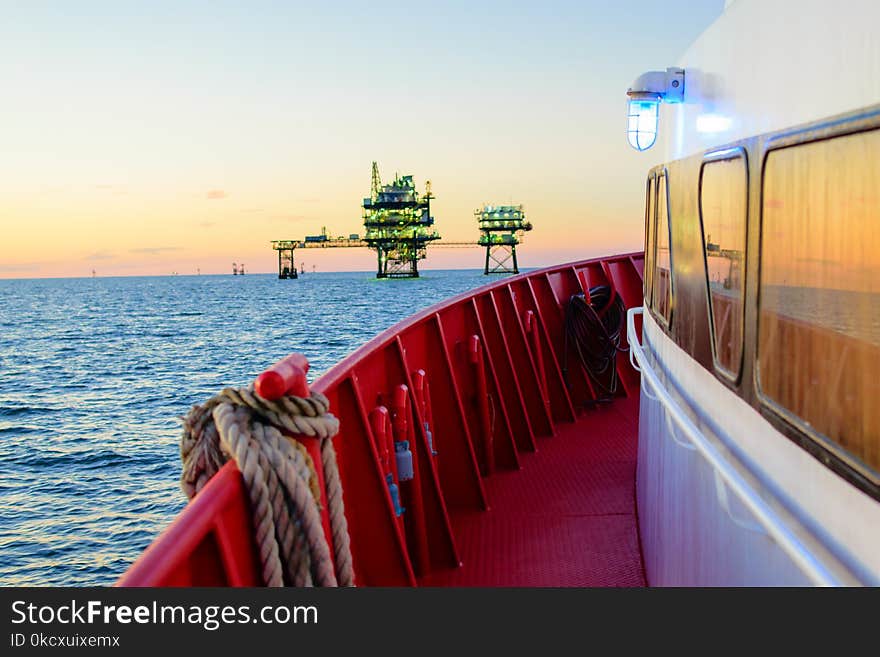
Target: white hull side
(689,539)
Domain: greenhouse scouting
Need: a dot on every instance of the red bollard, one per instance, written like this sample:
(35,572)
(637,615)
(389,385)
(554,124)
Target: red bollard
(286,377)
(475,351)
(313,447)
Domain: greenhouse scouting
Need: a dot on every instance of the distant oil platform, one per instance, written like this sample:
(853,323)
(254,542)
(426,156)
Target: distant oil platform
(398,225)
(501,229)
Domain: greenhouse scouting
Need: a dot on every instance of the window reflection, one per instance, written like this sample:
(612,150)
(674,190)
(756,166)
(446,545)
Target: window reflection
(723,211)
(662,283)
(819,309)
(649,238)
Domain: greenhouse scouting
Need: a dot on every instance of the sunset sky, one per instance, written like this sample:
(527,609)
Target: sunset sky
(152,137)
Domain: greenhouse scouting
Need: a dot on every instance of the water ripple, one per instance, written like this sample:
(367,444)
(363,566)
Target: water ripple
(94,374)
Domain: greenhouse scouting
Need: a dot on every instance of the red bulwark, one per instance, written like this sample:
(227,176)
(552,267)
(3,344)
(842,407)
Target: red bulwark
(520,478)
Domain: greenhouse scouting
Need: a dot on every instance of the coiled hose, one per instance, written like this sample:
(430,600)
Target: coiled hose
(594,328)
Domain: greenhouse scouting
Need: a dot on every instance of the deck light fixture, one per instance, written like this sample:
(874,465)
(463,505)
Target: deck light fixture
(643,107)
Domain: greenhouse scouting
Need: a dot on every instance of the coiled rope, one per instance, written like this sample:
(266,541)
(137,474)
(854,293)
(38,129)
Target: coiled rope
(280,477)
(595,335)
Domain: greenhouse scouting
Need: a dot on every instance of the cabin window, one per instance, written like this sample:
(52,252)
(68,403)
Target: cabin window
(819,305)
(662,277)
(723,198)
(649,239)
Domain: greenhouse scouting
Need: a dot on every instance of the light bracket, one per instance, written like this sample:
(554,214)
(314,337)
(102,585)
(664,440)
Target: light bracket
(643,108)
(667,85)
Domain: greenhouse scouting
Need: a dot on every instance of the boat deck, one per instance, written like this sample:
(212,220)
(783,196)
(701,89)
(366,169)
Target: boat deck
(558,508)
(566,518)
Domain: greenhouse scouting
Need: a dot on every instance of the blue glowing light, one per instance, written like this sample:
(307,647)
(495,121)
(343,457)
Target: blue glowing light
(641,127)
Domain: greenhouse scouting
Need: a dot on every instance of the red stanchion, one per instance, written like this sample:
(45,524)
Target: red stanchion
(410,482)
(380,422)
(429,418)
(423,401)
(475,351)
(535,340)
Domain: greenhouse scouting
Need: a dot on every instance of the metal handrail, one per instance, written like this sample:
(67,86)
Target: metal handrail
(814,570)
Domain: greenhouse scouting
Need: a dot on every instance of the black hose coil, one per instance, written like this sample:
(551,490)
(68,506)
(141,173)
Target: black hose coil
(594,328)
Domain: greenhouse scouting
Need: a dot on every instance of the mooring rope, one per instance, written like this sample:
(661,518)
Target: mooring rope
(280,477)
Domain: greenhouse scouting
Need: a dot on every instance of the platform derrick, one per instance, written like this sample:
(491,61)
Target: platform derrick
(397,223)
(501,229)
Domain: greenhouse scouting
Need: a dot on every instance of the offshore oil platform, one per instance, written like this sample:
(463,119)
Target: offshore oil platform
(501,228)
(398,225)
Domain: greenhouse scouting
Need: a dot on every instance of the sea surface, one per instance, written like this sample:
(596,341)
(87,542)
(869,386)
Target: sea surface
(96,372)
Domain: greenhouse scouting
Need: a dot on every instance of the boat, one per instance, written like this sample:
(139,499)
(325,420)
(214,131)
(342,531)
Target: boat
(702,413)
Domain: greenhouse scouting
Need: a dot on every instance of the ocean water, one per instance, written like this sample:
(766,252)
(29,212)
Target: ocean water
(95,373)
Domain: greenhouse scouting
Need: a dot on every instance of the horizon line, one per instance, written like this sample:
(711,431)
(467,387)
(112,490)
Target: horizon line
(258,273)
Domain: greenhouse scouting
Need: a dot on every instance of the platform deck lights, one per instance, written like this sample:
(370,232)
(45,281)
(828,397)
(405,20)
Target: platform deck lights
(501,229)
(398,225)
(643,107)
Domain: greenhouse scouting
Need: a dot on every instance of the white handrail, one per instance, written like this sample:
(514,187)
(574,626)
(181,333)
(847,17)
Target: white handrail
(724,501)
(775,528)
(671,426)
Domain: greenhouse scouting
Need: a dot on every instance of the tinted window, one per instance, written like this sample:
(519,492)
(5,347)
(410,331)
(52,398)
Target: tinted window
(649,238)
(662,282)
(723,211)
(819,307)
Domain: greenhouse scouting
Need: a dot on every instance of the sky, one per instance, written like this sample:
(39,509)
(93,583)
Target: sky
(145,138)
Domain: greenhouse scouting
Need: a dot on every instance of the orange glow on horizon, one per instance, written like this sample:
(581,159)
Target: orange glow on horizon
(157,139)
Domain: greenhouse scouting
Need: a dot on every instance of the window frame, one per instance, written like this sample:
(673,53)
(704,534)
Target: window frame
(658,317)
(650,229)
(820,446)
(735,153)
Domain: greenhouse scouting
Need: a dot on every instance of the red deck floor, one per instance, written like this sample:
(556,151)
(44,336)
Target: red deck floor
(566,518)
